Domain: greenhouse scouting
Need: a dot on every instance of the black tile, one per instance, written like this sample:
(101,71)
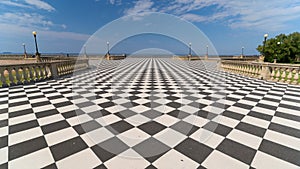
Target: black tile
(4,166)
(260,115)
(184,128)
(251,99)
(3,111)
(129,104)
(39,104)
(106,104)
(102,153)
(244,106)
(233,115)
(178,114)
(55,126)
(3,123)
(150,167)
(114,145)
(72,113)
(249,128)
(266,106)
(36,97)
(3,141)
(237,150)
(102,166)
(151,104)
(87,127)
(67,148)
(23,126)
(151,149)
(205,114)
(55,97)
(289,106)
(288,116)
(285,129)
(27,147)
(174,105)
(217,128)
(85,104)
(46,113)
(51,166)
(17,97)
(63,104)
(18,103)
(280,151)
(20,113)
(194,150)
(152,114)
(152,127)
(119,127)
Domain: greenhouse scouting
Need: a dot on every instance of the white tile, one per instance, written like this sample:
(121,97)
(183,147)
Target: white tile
(217,160)
(98,135)
(230,122)
(188,109)
(140,109)
(116,108)
(170,137)
(43,108)
(38,159)
(4,116)
(196,120)
(207,137)
(79,119)
(288,111)
(91,108)
(3,155)
(256,121)
(3,131)
(286,122)
(238,110)
(108,119)
(18,108)
(175,160)
(137,119)
(38,100)
(24,135)
(283,139)
(166,120)
(60,136)
(21,119)
(245,138)
(264,111)
(18,100)
(263,160)
(214,110)
(67,108)
(125,162)
(164,109)
(247,102)
(82,159)
(50,119)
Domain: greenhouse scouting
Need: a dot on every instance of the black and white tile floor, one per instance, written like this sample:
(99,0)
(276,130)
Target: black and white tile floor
(150,113)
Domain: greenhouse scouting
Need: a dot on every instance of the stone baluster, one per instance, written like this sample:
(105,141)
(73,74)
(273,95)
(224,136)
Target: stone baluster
(23,75)
(18,76)
(283,75)
(289,75)
(11,76)
(273,74)
(277,74)
(296,76)
(3,79)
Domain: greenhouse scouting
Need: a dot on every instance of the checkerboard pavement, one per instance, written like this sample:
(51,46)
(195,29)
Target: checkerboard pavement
(150,113)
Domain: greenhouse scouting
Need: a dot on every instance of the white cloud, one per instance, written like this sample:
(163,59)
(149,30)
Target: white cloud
(16,4)
(140,6)
(252,14)
(40,4)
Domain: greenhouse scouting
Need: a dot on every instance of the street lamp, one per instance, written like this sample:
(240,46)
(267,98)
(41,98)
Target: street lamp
(84,47)
(107,43)
(37,54)
(265,40)
(25,53)
(243,51)
(190,50)
(206,52)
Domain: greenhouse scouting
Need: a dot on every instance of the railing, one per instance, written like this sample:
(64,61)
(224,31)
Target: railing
(15,74)
(286,73)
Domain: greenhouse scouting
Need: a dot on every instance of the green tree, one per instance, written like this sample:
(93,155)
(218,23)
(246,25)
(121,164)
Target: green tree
(283,48)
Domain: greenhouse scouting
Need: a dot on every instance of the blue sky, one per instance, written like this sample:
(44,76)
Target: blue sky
(66,25)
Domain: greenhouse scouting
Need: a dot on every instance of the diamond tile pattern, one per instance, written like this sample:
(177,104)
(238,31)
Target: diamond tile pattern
(150,113)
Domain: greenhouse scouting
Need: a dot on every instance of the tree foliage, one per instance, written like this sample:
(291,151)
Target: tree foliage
(284,48)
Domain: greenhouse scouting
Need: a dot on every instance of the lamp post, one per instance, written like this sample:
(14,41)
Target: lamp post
(107,43)
(190,50)
(37,54)
(277,51)
(84,47)
(265,40)
(242,51)
(206,56)
(25,53)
